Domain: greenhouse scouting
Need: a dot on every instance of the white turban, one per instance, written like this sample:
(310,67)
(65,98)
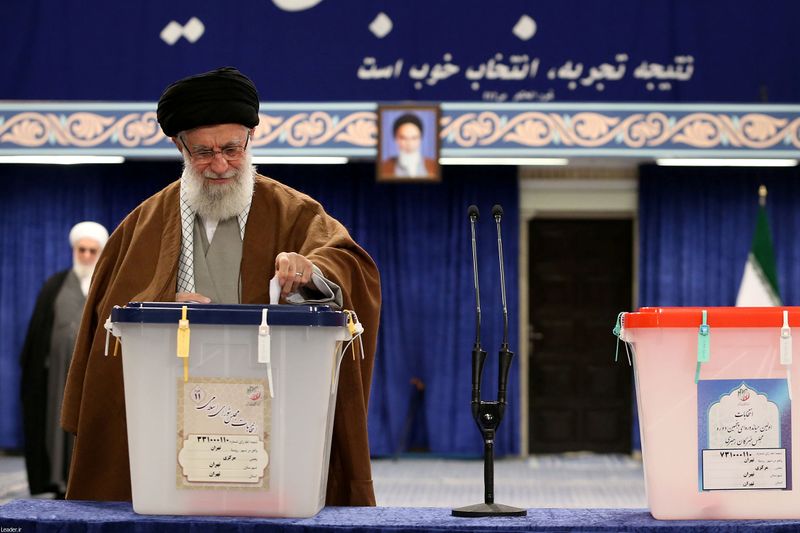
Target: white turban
(88,230)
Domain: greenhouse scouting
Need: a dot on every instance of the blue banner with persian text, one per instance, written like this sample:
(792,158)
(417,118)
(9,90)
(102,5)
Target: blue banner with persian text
(364,50)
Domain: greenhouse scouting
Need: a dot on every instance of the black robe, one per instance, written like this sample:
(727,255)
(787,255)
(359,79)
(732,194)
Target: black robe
(33,390)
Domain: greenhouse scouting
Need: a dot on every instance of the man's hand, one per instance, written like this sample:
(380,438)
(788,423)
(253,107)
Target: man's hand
(293,271)
(192,297)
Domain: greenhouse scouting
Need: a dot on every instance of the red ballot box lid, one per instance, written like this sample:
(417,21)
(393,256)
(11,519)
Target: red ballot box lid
(721,317)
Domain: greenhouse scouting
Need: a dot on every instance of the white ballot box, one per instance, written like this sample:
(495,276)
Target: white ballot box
(714,388)
(229,407)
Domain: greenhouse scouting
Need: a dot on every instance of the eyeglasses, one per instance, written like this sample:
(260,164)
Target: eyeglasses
(91,251)
(230,153)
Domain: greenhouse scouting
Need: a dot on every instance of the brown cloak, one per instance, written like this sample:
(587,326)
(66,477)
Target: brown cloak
(140,263)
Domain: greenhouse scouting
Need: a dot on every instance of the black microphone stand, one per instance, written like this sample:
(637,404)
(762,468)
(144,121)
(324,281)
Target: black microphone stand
(488,414)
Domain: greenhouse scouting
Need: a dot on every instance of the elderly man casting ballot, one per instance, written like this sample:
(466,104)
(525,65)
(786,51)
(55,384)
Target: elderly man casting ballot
(219,234)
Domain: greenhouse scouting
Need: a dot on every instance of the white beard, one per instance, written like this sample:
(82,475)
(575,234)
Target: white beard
(219,202)
(410,162)
(83,271)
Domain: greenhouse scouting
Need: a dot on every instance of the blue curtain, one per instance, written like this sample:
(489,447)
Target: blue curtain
(38,206)
(696,227)
(418,235)
(695,230)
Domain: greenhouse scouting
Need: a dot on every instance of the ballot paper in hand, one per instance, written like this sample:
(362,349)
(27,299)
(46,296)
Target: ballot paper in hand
(327,292)
(274,290)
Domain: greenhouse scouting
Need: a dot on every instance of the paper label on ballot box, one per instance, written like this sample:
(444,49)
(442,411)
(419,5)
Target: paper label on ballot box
(223,433)
(744,469)
(744,434)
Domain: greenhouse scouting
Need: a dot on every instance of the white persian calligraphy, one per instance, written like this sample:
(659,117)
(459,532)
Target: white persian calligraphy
(523,68)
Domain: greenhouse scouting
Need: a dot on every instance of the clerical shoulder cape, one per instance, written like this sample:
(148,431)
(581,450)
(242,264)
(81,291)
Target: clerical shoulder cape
(140,263)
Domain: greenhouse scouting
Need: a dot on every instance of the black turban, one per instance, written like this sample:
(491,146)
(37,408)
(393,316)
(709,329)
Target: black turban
(222,96)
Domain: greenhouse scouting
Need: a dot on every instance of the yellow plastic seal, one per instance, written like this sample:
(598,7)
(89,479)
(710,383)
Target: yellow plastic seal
(183,342)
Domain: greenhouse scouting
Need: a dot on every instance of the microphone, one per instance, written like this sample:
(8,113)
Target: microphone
(497,213)
(488,414)
(473,213)
(478,354)
(506,355)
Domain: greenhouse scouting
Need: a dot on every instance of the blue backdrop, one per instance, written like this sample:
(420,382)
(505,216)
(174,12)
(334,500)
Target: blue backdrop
(417,233)
(351,50)
(695,230)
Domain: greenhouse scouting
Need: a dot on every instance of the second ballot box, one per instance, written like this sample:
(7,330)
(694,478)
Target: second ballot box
(714,388)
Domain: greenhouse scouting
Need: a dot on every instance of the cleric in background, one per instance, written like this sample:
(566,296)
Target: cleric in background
(409,162)
(46,357)
(219,234)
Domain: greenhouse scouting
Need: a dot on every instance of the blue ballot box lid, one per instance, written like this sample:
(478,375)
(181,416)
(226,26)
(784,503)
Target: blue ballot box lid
(230,314)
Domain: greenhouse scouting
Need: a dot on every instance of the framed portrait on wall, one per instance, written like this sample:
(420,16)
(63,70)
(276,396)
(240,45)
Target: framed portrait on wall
(408,143)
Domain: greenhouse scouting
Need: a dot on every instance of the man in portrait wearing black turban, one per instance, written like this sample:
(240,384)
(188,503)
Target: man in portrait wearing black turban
(218,234)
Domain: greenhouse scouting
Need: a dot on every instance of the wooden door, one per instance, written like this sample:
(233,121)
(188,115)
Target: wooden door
(580,274)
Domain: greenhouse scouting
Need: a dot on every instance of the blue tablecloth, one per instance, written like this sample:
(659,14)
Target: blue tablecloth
(81,516)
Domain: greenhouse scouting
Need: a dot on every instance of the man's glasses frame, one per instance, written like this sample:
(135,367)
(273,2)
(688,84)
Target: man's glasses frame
(229,153)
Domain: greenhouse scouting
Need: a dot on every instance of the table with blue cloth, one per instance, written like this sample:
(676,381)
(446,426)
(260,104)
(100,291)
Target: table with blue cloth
(28,516)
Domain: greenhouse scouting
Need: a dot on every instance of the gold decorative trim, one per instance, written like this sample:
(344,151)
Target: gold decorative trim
(595,130)
(81,130)
(84,129)
(317,128)
(494,129)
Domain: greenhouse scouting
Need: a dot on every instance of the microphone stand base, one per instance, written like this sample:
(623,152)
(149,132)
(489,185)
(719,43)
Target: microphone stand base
(488,509)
